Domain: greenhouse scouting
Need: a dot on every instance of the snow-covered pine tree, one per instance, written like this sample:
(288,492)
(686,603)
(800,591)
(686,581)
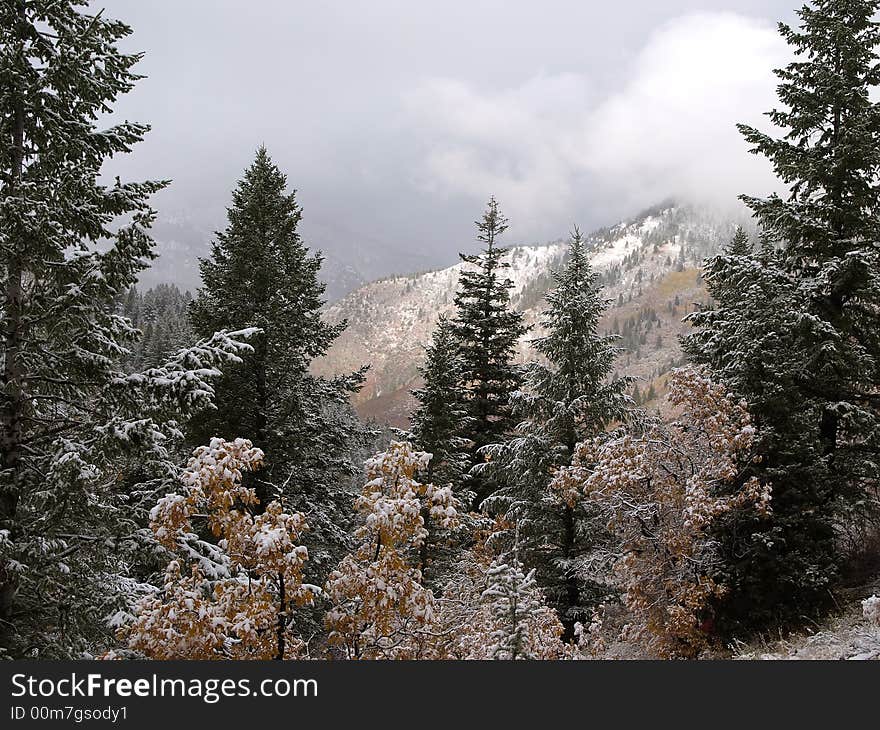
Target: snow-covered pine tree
(490,606)
(76,432)
(796,330)
(260,274)
(753,338)
(519,622)
(568,396)
(740,244)
(487,330)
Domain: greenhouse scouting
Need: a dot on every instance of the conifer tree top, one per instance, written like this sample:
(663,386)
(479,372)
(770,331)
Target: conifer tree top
(259,267)
(828,156)
(492,224)
(740,245)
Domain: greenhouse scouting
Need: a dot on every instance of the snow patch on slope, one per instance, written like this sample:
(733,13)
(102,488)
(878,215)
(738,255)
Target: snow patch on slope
(391,320)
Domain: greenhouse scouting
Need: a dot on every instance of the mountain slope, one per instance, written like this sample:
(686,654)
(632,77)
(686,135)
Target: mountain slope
(649,268)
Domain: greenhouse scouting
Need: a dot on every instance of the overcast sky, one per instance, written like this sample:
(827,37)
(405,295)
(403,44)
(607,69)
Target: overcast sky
(396,119)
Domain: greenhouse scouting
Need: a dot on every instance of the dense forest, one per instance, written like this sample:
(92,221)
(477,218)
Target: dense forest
(178,482)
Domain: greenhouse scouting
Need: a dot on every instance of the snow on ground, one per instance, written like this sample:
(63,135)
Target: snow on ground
(616,250)
(853,634)
(527,263)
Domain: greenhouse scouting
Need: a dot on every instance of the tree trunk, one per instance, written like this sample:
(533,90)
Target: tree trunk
(828,431)
(261,397)
(282,618)
(572,592)
(12,385)
(423,548)
(426,519)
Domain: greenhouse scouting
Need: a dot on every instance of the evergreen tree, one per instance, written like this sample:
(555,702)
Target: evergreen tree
(441,414)
(76,431)
(796,328)
(162,316)
(437,421)
(752,338)
(568,396)
(739,245)
(516,613)
(487,331)
(260,274)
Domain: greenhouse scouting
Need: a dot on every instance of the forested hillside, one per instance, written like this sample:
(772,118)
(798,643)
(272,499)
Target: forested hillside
(650,268)
(658,440)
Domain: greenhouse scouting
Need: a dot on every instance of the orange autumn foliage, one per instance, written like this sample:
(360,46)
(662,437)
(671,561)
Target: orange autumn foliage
(380,608)
(232,599)
(661,493)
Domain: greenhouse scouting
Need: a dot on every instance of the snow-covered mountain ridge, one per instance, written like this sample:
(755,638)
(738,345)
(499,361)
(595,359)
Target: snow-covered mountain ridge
(649,267)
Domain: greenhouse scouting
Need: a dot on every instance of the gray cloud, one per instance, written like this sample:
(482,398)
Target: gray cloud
(550,148)
(395,120)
